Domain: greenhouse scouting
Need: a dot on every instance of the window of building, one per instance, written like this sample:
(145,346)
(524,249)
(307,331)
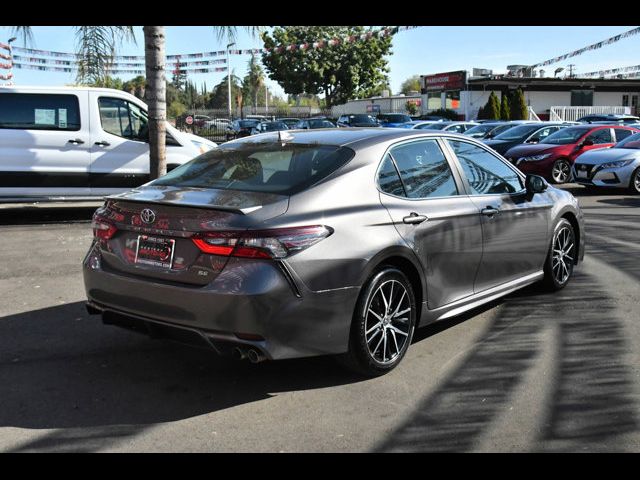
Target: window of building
(581,98)
(625,100)
(453,99)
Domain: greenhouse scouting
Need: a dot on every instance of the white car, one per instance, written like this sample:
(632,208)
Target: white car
(71,142)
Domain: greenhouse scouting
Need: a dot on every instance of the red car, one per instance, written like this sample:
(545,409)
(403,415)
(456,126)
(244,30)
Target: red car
(553,157)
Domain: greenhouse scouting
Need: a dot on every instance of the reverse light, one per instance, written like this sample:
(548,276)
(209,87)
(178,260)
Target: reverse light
(268,244)
(102,228)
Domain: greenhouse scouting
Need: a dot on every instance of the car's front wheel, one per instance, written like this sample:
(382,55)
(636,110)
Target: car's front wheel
(634,185)
(383,323)
(561,171)
(561,258)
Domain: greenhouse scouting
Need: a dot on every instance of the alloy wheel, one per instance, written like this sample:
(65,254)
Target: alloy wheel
(636,180)
(563,255)
(561,171)
(387,324)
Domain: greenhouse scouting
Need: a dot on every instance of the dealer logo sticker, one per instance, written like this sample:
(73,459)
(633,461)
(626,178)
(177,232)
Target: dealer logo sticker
(148,216)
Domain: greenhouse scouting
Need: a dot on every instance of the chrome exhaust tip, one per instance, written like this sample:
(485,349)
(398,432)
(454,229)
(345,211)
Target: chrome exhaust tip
(256,356)
(239,353)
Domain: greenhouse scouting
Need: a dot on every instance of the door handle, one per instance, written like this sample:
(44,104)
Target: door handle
(490,211)
(102,144)
(76,141)
(414,218)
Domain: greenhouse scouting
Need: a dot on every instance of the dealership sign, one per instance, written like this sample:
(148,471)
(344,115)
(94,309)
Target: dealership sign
(445,81)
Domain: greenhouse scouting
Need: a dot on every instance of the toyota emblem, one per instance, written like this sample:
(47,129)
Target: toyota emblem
(148,216)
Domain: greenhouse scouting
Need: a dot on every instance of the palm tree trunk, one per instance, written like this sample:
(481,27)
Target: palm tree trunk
(155,96)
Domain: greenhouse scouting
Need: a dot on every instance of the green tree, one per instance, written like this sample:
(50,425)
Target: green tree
(176,109)
(519,108)
(411,84)
(505,113)
(179,78)
(492,108)
(219,97)
(253,82)
(340,72)
(412,108)
(135,86)
(481,115)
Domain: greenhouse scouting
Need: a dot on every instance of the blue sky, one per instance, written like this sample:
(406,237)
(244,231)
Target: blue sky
(425,50)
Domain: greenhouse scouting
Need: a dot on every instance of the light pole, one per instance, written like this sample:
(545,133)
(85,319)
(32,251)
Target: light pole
(229,78)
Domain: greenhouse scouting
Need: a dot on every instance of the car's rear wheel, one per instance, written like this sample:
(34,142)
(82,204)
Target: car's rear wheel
(634,184)
(561,258)
(383,324)
(561,171)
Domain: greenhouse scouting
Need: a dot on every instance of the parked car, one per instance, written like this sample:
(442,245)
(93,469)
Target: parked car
(609,117)
(453,127)
(289,122)
(415,123)
(263,127)
(311,123)
(618,166)
(241,128)
(217,123)
(393,120)
(488,130)
(200,120)
(528,133)
(328,241)
(553,157)
(79,142)
(357,120)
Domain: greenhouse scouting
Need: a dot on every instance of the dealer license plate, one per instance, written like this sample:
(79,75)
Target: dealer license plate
(155,251)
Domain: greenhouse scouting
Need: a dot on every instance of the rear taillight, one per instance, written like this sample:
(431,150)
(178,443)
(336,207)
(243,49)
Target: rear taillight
(102,228)
(273,243)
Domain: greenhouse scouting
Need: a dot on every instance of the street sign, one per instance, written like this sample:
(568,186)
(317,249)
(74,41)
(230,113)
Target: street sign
(189,120)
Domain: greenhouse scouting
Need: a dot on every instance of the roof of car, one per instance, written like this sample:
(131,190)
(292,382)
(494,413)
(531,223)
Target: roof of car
(354,137)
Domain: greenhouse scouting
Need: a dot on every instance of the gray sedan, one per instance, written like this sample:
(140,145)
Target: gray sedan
(336,241)
(618,166)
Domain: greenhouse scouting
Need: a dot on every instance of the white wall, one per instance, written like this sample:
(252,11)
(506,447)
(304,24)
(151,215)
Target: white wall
(613,99)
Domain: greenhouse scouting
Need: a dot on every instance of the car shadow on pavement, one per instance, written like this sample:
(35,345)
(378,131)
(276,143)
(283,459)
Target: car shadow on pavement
(591,392)
(63,369)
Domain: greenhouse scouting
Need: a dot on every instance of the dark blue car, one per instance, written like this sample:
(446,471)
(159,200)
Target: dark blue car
(393,120)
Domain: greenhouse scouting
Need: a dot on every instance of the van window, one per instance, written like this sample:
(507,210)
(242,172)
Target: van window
(39,111)
(123,118)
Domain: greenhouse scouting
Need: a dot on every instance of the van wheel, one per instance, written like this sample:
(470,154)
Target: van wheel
(383,324)
(561,258)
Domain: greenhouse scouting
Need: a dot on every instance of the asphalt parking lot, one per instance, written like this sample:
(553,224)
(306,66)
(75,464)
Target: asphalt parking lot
(533,372)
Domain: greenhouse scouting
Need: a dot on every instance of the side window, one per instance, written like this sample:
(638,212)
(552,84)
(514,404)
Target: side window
(545,132)
(457,129)
(122,118)
(424,169)
(388,178)
(486,173)
(621,134)
(601,136)
(37,111)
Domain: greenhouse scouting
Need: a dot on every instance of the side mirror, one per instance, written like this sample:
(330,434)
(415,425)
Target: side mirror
(586,143)
(535,184)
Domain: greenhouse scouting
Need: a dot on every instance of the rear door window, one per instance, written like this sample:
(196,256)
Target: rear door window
(424,169)
(621,133)
(38,111)
(601,136)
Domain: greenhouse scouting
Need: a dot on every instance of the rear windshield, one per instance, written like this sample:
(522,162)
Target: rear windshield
(270,167)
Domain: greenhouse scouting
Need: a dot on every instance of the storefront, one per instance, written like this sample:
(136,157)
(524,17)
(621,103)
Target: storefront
(443,90)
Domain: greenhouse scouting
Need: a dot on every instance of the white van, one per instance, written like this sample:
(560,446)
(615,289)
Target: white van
(72,142)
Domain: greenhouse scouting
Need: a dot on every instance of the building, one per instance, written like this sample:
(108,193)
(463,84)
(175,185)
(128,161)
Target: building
(466,94)
(548,98)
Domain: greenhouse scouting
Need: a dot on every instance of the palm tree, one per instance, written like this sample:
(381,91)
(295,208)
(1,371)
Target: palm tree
(97,46)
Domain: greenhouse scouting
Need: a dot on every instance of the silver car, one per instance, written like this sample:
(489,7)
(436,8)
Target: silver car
(618,166)
(332,241)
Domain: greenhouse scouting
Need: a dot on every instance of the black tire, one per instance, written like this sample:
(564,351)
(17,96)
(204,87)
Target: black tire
(558,268)
(634,183)
(359,357)
(561,171)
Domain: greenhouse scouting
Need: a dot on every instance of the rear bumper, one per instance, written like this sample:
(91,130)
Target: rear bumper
(250,297)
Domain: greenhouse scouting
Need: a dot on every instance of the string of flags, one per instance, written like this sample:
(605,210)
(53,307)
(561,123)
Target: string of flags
(128,63)
(612,71)
(6,66)
(595,46)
